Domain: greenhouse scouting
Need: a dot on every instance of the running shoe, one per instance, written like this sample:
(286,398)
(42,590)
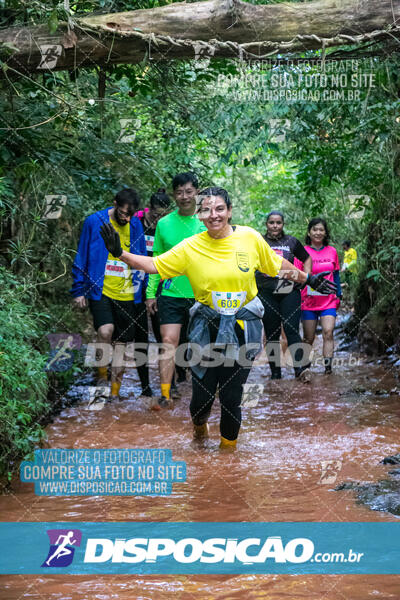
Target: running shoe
(147,391)
(304,375)
(175,393)
(328,366)
(165,402)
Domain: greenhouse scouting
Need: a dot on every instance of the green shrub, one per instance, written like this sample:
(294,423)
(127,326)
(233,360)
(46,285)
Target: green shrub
(23,381)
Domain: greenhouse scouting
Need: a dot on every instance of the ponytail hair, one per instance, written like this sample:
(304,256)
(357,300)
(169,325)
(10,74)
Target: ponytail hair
(160,198)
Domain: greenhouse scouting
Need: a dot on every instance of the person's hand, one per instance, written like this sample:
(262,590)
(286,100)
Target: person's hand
(151,305)
(80,302)
(320,284)
(111,239)
(344,267)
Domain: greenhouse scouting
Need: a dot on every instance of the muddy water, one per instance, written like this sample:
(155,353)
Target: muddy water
(276,475)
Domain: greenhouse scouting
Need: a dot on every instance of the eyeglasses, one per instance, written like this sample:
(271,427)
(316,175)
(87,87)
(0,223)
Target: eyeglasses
(188,193)
(123,213)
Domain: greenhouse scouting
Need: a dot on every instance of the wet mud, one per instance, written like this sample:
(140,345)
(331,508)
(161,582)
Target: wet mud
(296,447)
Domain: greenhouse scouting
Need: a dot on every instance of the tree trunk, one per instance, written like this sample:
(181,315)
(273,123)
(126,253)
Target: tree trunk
(226,28)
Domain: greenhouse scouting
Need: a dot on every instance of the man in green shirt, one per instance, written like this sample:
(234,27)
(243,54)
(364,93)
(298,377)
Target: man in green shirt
(176,296)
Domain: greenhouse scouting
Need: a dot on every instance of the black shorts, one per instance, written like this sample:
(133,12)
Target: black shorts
(120,313)
(174,310)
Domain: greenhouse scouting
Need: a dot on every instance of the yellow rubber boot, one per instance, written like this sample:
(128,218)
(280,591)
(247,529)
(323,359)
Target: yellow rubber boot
(201,432)
(227,444)
(115,386)
(102,374)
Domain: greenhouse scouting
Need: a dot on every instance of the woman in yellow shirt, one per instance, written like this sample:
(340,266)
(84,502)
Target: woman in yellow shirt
(225,328)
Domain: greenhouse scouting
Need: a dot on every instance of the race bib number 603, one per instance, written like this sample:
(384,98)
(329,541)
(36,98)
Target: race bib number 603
(228,303)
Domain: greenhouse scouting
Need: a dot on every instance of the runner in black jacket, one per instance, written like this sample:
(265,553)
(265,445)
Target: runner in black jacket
(282,300)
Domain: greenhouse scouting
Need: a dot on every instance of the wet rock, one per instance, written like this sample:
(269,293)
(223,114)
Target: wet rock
(394,349)
(397,363)
(348,345)
(85,379)
(392,358)
(395,391)
(73,393)
(360,390)
(391,460)
(368,342)
(391,350)
(382,496)
(388,502)
(342,320)
(343,346)
(355,390)
(395,472)
(347,485)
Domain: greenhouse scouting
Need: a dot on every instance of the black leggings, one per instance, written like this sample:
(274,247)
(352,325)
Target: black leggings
(283,309)
(142,337)
(230,381)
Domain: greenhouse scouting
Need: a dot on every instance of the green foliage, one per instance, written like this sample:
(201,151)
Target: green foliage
(34,12)
(186,116)
(23,382)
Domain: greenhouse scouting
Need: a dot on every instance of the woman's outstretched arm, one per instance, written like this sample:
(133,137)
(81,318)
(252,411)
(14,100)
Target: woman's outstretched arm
(317,282)
(144,263)
(113,245)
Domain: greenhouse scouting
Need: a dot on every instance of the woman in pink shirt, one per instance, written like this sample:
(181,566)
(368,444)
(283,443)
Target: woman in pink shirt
(314,305)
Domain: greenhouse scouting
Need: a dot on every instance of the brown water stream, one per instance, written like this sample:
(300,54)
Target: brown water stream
(275,475)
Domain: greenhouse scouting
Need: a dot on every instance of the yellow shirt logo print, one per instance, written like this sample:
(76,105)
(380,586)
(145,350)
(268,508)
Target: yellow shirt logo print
(242,259)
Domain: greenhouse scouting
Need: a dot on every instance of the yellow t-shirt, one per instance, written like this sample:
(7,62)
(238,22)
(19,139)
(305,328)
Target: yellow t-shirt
(118,275)
(221,271)
(350,255)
